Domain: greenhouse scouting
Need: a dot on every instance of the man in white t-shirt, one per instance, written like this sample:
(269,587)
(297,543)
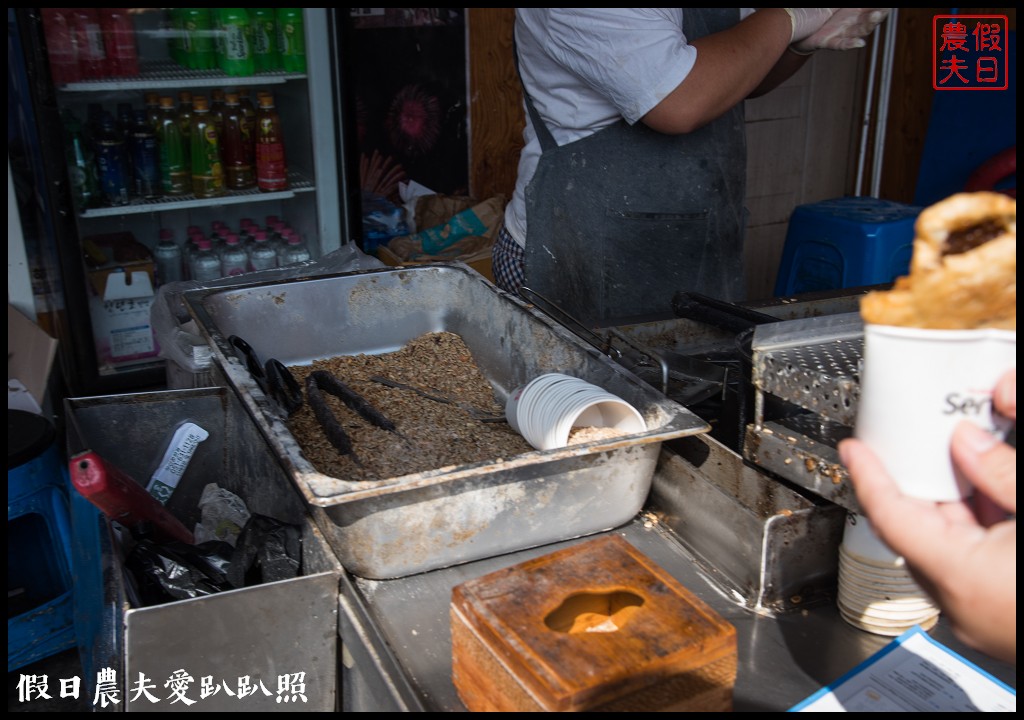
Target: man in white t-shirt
(632,177)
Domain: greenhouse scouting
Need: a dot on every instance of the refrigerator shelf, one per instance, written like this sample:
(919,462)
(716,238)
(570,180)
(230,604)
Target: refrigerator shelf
(298,183)
(163,75)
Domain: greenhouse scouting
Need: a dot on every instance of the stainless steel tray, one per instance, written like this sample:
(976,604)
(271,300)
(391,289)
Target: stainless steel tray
(404,525)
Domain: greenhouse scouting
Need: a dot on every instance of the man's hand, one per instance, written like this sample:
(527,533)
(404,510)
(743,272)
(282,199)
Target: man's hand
(807,21)
(964,554)
(843,30)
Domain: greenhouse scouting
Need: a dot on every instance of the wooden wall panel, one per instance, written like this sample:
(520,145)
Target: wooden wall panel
(495,103)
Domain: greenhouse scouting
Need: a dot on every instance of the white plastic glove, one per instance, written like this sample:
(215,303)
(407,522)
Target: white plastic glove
(845,30)
(807,21)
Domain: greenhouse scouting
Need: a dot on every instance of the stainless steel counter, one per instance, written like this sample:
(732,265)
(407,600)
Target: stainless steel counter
(397,643)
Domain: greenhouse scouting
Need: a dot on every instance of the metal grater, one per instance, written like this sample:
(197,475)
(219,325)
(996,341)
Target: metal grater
(814,365)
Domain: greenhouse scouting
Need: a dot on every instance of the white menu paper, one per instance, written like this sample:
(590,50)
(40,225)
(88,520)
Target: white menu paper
(913,673)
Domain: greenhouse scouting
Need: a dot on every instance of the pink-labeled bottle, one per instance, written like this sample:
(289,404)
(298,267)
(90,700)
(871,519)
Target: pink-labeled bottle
(262,255)
(233,258)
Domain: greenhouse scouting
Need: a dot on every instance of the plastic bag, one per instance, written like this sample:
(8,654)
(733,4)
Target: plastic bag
(166,572)
(176,333)
(267,551)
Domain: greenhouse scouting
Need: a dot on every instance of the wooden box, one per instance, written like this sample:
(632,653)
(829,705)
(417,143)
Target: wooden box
(596,627)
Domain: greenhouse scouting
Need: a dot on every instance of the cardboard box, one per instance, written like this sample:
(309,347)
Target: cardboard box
(114,252)
(481,265)
(30,356)
(121,325)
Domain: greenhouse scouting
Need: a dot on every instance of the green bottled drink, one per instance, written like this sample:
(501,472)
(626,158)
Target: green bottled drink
(197,39)
(207,171)
(264,39)
(234,49)
(185,122)
(85,186)
(291,39)
(175,178)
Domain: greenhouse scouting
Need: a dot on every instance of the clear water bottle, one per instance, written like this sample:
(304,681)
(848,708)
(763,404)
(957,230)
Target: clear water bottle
(295,251)
(233,259)
(168,258)
(262,255)
(205,263)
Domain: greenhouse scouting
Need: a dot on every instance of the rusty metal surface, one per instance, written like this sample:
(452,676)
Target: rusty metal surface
(802,460)
(764,543)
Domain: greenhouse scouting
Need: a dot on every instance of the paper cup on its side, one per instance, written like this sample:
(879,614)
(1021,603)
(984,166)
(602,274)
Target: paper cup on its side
(916,386)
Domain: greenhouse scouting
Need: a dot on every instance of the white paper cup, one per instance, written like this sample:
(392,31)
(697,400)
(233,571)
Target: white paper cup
(861,541)
(512,406)
(545,410)
(916,386)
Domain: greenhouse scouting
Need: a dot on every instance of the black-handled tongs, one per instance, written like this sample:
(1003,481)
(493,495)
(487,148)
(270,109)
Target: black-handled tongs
(274,378)
(321,381)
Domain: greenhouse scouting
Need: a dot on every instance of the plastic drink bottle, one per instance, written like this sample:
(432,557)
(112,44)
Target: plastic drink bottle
(92,54)
(168,258)
(62,45)
(119,42)
(207,171)
(271,165)
(295,251)
(185,123)
(234,51)
(291,39)
(262,255)
(175,23)
(145,152)
(233,259)
(238,147)
(175,178)
(112,161)
(197,39)
(217,109)
(205,263)
(264,39)
(85,190)
(152,105)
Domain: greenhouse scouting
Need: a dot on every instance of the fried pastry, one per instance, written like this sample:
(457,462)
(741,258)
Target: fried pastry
(963,274)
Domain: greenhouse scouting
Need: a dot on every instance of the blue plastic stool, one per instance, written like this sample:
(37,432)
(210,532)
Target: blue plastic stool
(844,243)
(39,565)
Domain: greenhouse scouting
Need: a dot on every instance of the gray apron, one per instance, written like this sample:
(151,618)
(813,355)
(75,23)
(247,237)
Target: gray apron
(621,220)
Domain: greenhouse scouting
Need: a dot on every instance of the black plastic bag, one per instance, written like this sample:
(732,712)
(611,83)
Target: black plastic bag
(267,550)
(165,572)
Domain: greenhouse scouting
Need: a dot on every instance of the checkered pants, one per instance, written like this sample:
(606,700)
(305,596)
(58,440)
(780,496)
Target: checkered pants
(507,262)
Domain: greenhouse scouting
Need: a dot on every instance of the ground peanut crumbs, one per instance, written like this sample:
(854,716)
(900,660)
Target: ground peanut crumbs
(430,434)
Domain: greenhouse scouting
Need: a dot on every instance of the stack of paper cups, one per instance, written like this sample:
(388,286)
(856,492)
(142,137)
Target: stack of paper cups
(545,410)
(876,591)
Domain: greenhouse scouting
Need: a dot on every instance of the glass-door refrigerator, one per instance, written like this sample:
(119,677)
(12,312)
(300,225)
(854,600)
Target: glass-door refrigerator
(261,153)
